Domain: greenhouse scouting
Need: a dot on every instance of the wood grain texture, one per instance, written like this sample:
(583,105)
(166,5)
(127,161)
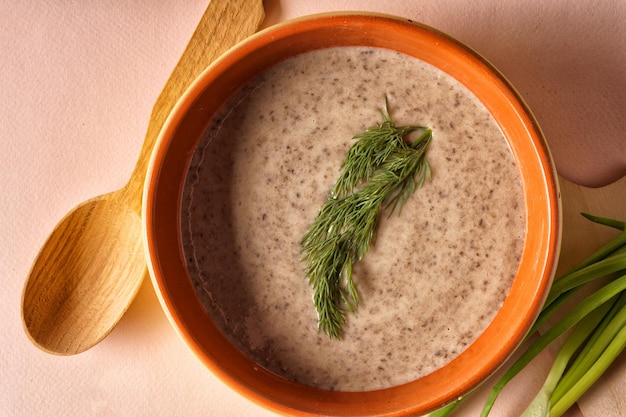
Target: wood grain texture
(230,22)
(92,265)
(86,273)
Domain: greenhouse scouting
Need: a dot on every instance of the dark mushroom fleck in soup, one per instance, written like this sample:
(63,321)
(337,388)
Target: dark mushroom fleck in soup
(437,273)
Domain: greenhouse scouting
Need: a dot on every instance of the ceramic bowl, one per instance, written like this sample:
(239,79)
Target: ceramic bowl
(181,133)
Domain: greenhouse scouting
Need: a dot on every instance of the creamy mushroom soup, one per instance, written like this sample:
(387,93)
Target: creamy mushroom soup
(438,272)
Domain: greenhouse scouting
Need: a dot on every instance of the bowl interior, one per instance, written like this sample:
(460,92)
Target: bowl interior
(163,193)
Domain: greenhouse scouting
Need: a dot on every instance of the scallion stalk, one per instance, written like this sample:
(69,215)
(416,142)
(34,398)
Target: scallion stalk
(540,406)
(612,324)
(580,277)
(586,307)
(598,333)
(616,244)
(612,351)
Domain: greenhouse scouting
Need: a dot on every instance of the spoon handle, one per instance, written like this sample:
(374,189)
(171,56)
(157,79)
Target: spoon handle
(230,21)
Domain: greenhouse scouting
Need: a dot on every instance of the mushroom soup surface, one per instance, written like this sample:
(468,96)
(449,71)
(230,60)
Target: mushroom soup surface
(437,273)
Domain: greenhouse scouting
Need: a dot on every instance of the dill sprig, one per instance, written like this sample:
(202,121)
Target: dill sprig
(381,170)
(372,148)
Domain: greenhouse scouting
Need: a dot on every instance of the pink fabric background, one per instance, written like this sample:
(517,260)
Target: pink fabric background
(77,84)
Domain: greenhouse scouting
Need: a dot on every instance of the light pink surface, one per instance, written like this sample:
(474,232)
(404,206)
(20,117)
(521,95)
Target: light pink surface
(77,83)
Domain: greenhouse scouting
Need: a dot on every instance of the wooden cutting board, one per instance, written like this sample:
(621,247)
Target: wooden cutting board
(582,237)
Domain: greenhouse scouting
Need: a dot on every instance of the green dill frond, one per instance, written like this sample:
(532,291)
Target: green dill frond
(371,149)
(381,169)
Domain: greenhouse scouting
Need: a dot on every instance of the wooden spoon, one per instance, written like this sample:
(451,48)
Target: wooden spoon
(92,265)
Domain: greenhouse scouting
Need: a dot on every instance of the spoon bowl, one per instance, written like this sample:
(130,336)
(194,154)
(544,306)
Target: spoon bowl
(92,265)
(85,276)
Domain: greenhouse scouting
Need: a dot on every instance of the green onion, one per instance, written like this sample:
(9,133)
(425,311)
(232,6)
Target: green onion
(613,263)
(579,312)
(601,350)
(612,351)
(597,337)
(448,409)
(541,405)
